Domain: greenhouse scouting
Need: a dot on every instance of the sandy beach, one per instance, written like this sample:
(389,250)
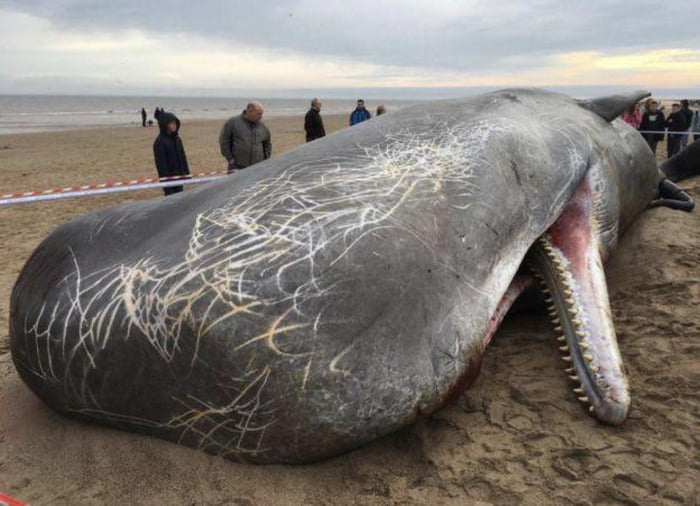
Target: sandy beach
(517,437)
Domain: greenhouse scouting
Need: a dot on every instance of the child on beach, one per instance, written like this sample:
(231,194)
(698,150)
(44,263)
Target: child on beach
(169,151)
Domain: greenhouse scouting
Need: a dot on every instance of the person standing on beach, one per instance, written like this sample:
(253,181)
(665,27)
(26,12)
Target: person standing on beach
(381,109)
(244,139)
(169,151)
(695,125)
(688,115)
(313,123)
(677,129)
(360,114)
(633,116)
(653,122)
(143,116)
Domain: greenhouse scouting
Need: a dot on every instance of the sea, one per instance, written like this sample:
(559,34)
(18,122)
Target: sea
(40,113)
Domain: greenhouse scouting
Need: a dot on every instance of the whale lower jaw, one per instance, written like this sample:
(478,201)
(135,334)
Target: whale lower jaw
(567,262)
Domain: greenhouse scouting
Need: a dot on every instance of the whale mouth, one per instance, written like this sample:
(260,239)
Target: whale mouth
(567,262)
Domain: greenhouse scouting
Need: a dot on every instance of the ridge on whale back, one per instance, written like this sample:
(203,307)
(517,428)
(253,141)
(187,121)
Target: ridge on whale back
(334,293)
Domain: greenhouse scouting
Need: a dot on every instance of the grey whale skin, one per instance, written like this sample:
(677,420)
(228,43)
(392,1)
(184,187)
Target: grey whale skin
(331,295)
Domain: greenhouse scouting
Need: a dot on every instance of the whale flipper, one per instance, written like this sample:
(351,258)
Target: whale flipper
(684,164)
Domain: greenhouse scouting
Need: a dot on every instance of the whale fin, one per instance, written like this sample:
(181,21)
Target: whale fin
(684,164)
(611,106)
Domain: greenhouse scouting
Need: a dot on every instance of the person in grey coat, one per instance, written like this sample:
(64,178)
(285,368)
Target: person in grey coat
(244,139)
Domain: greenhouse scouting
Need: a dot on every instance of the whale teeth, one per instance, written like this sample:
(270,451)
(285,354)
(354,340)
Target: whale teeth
(573,377)
(567,292)
(580,333)
(578,390)
(591,409)
(588,357)
(549,300)
(563,348)
(584,399)
(594,368)
(573,310)
(583,345)
(576,322)
(570,370)
(561,338)
(566,358)
(556,321)
(570,301)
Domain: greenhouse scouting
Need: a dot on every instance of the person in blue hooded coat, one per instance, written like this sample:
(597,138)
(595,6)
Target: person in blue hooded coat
(169,152)
(360,114)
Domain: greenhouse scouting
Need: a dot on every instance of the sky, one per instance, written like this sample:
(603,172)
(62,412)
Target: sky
(223,46)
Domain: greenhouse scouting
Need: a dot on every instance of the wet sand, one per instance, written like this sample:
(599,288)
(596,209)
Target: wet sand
(517,437)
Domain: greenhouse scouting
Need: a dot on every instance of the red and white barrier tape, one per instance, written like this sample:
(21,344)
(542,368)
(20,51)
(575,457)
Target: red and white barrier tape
(143,183)
(6,500)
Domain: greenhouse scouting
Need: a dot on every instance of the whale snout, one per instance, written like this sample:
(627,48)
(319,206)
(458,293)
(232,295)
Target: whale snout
(614,407)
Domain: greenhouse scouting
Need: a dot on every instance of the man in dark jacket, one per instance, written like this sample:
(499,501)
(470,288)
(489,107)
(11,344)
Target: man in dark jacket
(360,114)
(313,123)
(143,116)
(169,151)
(244,139)
(677,124)
(653,121)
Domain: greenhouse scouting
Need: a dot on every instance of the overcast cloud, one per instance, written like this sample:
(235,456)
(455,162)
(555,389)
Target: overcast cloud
(323,43)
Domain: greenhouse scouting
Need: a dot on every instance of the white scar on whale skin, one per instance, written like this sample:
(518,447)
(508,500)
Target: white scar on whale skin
(280,223)
(236,428)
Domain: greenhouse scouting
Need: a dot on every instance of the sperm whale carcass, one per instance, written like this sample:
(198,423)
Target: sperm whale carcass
(331,295)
